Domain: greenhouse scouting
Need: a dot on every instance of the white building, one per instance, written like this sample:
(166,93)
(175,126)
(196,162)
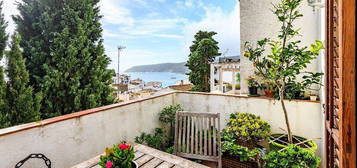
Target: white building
(219,68)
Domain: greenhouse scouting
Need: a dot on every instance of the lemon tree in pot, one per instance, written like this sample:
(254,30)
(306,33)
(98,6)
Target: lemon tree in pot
(287,59)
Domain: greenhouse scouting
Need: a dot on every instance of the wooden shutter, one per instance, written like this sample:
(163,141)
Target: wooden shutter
(340,116)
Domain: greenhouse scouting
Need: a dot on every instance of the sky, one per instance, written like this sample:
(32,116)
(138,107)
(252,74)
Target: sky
(159,31)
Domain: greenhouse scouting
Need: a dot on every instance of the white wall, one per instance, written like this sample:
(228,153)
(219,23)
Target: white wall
(72,141)
(305,116)
(80,137)
(258,22)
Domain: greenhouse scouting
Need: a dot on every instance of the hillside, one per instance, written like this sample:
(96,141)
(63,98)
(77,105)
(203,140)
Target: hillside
(164,67)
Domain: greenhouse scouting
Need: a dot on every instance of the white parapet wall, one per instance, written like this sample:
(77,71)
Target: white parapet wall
(70,139)
(305,116)
(257,22)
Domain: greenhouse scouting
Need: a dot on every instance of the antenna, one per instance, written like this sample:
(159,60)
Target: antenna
(120,48)
(225,52)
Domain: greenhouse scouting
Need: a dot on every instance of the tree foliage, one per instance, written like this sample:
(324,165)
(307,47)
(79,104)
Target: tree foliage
(64,49)
(287,59)
(3,41)
(22,106)
(203,51)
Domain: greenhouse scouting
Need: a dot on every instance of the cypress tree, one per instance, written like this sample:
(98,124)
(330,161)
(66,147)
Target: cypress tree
(69,60)
(3,41)
(37,24)
(203,51)
(23,105)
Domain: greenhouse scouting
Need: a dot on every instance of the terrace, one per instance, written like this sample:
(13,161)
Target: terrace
(71,139)
(76,138)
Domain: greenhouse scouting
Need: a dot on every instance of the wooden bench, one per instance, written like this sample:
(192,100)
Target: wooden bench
(197,136)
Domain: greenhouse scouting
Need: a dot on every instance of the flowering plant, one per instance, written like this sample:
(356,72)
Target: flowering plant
(120,156)
(252,81)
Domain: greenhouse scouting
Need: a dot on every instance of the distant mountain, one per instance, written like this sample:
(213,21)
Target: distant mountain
(164,67)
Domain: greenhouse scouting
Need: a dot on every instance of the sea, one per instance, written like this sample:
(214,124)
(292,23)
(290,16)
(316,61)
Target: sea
(166,78)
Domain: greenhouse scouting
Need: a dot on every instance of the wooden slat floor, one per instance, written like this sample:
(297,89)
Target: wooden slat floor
(147,157)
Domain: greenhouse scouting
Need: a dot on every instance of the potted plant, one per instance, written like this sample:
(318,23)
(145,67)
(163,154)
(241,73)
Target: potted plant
(313,96)
(294,90)
(269,87)
(240,140)
(119,156)
(248,129)
(287,58)
(235,155)
(278,142)
(252,85)
(291,156)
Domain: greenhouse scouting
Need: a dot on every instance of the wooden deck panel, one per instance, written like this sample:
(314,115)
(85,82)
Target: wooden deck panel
(147,157)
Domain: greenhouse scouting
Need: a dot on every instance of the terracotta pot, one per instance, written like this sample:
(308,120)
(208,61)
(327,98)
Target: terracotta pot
(269,93)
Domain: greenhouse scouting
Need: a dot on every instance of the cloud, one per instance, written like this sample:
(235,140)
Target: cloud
(175,36)
(114,13)
(188,3)
(225,24)
(154,27)
(9,8)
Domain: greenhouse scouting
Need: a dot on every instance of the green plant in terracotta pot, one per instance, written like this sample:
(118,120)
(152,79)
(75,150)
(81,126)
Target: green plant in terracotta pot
(269,87)
(119,156)
(286,60)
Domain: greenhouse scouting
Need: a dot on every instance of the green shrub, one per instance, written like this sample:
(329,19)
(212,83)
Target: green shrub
(232,149)
(120,155)
(157,140)
(167,115)
(229,86)
(248,127)
(162,138)
(292,157)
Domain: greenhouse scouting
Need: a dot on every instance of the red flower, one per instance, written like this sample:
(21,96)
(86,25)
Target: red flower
(124,146)
(109,164)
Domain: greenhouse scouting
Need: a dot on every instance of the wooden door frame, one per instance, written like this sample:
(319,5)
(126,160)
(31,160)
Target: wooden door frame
(340,135)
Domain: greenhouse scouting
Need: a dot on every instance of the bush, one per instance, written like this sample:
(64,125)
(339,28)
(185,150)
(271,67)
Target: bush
(167,115)
(248,127)
(120,155)
(232,149)
(229,86)
(293,156)
(161,139)
(158,140)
